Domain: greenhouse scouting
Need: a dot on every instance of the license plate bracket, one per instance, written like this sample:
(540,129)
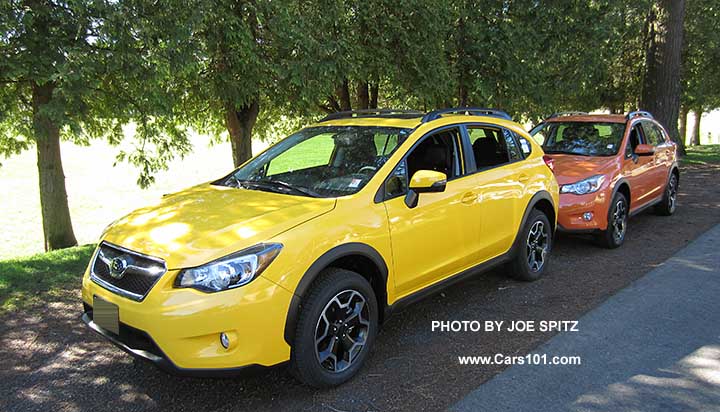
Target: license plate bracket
(106,315)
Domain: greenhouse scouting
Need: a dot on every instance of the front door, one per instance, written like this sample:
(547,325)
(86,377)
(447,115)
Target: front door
(638,169)
(432,240)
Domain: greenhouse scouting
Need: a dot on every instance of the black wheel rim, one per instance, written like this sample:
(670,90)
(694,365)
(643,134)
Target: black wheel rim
(537,246)
(342,330)
(619,220)
(672,193)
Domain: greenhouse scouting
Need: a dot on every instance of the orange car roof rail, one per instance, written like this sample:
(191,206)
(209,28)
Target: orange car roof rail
(639,113)
(560,114)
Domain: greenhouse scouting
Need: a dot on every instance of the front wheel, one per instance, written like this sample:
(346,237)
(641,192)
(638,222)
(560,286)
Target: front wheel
(614,235)
(532,255)
(336,329)
(669,201)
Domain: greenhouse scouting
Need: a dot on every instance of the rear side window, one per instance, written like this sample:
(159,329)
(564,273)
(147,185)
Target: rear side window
(513,149)
(489,146)
(525,146)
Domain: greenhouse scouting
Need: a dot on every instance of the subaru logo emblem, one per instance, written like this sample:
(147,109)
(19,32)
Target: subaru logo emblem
(118,266)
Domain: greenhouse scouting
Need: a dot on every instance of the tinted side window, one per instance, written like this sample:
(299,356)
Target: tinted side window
(439,152)
(653,134)
(489,146)
(397,183)
(635,138)
(513,150)
(525,146)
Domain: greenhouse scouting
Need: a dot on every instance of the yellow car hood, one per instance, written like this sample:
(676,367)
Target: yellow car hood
(206,222)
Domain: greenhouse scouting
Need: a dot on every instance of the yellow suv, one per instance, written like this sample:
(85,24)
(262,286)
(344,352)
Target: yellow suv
(302,252)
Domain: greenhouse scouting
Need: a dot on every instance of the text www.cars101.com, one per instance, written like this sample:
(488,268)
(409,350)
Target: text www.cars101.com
(529,359)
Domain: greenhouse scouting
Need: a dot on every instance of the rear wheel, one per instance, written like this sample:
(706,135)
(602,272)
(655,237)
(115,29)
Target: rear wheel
(336,329)
(669,201)
(532,255)
(614,235)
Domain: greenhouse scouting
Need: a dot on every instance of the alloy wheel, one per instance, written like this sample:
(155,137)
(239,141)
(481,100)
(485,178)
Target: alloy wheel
(619,221)
(672,193)
(342,331)
(537,246)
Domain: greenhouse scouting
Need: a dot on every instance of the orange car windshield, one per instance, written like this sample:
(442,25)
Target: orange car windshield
(580,138)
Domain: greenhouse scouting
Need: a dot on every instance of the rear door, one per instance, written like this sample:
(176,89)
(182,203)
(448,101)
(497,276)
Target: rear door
(662,157)
(500,180)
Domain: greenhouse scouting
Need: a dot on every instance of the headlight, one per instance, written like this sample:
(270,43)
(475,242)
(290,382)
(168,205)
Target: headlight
(585,186)
(231,271)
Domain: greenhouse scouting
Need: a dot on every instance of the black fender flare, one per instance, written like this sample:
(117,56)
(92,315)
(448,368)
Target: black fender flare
(541,195)
(337,252)
(674,167)
(620,182)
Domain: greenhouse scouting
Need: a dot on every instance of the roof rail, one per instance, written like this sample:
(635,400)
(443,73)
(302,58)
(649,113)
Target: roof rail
(639,113)
(391,113)
(560,114)
(470,111)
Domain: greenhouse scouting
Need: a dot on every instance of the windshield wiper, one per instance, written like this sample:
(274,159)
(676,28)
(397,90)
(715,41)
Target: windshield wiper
(276,185)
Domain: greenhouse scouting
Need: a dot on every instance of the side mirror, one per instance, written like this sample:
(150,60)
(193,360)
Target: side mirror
(424,181)
(428,181)
(644,150)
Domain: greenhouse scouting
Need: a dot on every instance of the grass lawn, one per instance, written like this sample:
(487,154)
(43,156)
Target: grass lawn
(98,192)
(708,154)
(28,280)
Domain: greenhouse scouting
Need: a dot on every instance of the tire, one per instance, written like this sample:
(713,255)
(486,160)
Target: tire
(669,201)
(614,236)
(320,314)
(531,257)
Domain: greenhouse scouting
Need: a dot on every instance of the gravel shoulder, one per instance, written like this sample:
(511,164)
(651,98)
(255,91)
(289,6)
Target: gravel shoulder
(51,361)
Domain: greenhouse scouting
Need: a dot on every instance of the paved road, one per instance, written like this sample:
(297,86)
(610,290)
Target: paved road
(655,346)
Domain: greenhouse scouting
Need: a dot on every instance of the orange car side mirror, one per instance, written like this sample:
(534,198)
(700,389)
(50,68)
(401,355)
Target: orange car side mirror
(644,150)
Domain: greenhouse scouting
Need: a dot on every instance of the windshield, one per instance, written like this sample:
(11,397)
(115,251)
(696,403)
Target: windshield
(579,138)
(328,161)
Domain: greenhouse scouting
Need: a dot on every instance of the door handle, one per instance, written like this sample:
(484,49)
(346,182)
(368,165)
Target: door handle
(469,197)
(523,178)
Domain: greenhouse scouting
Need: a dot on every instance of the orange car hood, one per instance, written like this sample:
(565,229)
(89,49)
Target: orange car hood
(571,168)
(206,222)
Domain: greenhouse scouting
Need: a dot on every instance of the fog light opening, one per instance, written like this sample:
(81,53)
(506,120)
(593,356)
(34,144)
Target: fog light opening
(587,216)
(224,340)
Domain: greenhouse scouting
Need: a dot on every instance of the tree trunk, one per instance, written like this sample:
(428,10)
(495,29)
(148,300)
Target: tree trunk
(363,95)
(661,83)
(240,124)
(695,138)
(343,92)
(682,129)
(57,225)
(374,96)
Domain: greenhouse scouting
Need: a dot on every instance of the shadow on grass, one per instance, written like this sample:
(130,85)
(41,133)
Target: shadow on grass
(25,280)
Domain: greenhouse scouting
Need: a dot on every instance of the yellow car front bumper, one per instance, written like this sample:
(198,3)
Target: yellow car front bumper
(179,329)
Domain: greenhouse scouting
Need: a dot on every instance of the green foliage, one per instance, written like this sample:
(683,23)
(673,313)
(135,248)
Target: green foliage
(25,281)
(701,84)
(93,57)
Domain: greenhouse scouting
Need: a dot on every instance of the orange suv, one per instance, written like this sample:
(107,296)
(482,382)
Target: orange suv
(609,167)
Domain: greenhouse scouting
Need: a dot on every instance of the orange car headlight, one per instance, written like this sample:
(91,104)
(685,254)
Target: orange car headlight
(585,186)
